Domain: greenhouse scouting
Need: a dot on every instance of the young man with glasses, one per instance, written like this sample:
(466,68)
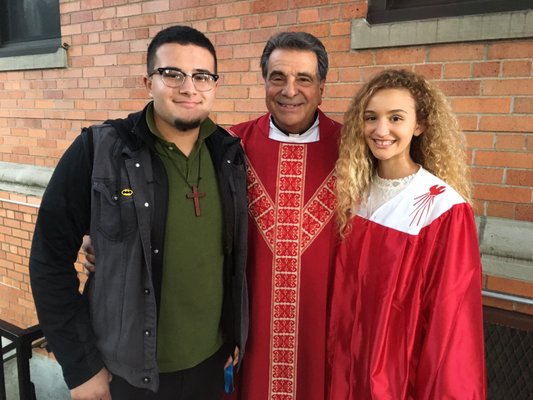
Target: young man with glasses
(163,195)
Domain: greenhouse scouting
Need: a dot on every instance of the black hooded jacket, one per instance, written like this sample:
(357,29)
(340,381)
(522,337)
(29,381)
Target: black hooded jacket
(113,323)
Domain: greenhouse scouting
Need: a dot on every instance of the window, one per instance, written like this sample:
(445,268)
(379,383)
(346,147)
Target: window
(29,27)
(381,11)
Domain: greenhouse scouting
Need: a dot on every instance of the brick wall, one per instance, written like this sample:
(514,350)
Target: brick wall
(17,219)
(489,83)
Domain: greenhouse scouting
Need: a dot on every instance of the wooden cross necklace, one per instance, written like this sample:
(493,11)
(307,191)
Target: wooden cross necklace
(194,194)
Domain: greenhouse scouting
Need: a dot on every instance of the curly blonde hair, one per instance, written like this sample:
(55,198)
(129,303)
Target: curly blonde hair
(440,149)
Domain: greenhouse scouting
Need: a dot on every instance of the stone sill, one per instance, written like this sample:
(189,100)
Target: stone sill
(57,59)
(497,26)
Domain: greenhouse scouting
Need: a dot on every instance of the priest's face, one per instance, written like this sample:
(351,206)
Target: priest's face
(293,89)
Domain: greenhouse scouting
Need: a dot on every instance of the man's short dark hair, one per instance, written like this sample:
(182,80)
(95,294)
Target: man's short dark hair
(296,41)
(183,35)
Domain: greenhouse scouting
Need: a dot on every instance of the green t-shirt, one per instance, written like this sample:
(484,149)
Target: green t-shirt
(189,328)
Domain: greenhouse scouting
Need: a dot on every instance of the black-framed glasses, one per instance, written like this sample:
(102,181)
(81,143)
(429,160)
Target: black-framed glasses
(174,78)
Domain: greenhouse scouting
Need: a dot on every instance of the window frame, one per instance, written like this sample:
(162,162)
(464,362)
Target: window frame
(23,44)
(386,11)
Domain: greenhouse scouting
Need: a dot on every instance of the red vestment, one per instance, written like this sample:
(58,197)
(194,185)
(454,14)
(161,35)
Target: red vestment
(406,314)
(291,207)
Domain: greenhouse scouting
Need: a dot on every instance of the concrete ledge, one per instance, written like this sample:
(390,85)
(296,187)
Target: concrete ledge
(35,61)
(506,25)
(506,247)
(24,179)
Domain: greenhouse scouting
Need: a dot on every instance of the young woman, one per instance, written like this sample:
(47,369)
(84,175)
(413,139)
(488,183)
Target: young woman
(406,314)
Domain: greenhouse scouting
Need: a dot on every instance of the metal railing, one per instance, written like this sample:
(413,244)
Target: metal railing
(21,342)
(507,297)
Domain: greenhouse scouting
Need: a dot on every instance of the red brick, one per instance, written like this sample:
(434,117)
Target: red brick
(94,26)
(155,6)
(198,14)
(141,21)
(511,49)
(401,56)
(506,123)
(233,9)
(248,22)
(523,105)
(341,28)
(519,177)
(287,18)
(230,92)
(504,159)
(234,65)
(487,175)
(342,90)
(481,105)
(318,30)
(429,71)
(457,70)
(517,68)
(351,59)
(83,16)
(355,10)
(183,4)
(104,13)
(330,13)
(511,142)
(91,4)
(262,6)
(460,52)
(70,7)
(460,87)
(129,10)
(307,16)
(338,44)
(485,69)
(524,212)
(232,24)
(223,39)
(508,87)
(502,193)
(250,106)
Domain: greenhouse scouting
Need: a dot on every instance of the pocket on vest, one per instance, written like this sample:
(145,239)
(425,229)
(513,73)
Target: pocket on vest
(114,212)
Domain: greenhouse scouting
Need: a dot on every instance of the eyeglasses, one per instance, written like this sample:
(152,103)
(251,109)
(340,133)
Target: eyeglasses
(174,78)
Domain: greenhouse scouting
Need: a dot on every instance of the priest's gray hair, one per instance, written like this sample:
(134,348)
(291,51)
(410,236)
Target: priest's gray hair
(296,41)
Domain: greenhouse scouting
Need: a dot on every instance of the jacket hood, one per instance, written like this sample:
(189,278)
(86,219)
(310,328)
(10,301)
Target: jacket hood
(133,129)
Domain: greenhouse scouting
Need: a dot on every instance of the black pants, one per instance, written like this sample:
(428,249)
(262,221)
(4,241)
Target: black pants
(204,381)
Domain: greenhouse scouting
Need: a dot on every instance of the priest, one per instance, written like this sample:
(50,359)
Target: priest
(291,155)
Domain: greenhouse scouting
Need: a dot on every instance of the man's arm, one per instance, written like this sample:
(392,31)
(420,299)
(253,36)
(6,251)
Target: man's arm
(63,219)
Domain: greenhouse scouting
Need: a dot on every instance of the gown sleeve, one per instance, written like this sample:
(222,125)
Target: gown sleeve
(451,363)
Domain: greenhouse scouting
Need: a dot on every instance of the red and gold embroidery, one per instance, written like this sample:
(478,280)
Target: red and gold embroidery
(288,226)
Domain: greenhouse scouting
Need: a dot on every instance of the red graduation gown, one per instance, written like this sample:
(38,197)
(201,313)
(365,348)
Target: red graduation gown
(406,314)
(291,207)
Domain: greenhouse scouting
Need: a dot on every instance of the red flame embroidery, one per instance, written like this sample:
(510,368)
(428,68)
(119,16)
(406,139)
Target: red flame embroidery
(424,203)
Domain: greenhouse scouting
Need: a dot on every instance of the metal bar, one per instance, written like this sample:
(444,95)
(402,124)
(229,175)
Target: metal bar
(507,297)
(26,388)
(20,203)
(22,342)
(2,379)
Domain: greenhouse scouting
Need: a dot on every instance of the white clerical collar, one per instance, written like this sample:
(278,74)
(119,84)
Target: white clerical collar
(309,136)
